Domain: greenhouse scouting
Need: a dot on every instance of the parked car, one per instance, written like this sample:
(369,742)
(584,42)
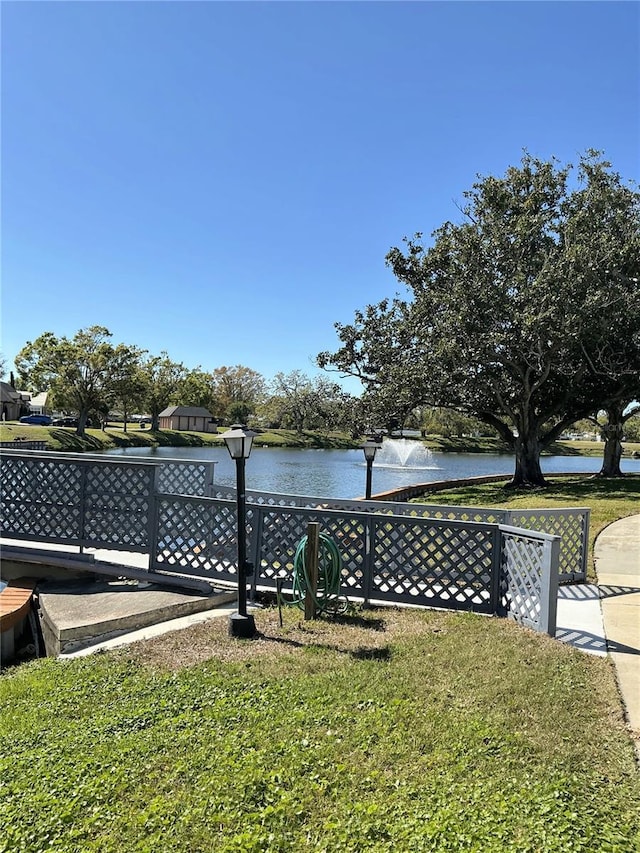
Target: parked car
(39,420)
(69,422)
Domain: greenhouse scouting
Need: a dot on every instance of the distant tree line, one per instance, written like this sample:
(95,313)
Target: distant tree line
(525,316)
(89,376)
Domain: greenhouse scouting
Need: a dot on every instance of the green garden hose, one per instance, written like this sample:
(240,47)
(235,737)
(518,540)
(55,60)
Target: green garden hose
(327,598)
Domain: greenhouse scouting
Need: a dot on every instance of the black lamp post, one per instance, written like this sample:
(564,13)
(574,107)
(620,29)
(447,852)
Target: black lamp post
(239,440)
(369,447)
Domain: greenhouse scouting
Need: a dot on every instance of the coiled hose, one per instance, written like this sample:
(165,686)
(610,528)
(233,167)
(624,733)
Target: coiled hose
(327,598)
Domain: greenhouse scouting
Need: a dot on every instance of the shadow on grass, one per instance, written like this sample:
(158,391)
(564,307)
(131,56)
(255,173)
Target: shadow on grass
(359,622)
(348,620)
(163,438)
(558,449)
(579,490)
(376,653)
(594,486)
(68,439)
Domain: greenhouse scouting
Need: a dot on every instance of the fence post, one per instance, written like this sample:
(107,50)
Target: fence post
(367,567)
(584,544)
(311,592)
(497,563)
(83,503)
(209,486)
(255,513)
(549,585)
(154,517)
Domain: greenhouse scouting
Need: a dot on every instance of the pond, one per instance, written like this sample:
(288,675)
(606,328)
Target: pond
(342,473)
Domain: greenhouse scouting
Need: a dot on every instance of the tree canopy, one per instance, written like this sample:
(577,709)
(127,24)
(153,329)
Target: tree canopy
(76,371)
(162,379)
(524,315)
(88,374)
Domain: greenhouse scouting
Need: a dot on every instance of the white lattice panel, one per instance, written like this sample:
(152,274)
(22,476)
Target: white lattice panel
(569,524)
(522,579)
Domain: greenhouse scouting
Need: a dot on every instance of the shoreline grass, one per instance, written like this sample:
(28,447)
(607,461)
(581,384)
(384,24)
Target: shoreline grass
(65,438)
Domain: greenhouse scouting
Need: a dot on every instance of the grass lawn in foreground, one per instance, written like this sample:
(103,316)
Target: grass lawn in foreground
(392,730)
(608,499)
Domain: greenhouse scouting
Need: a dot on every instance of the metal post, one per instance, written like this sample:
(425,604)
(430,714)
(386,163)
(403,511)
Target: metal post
(367,493)
(241,624)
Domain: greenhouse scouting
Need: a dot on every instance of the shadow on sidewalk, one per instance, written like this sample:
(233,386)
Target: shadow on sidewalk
(593,592)
(582,640)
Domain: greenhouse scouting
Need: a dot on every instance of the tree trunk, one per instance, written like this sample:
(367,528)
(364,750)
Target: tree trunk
(528,471)
(82,422)
(612,434)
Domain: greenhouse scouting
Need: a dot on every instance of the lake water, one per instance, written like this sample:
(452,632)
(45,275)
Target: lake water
(342,473)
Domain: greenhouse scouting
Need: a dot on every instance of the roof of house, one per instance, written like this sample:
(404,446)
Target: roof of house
(39,399)
(8,393)
(186,411)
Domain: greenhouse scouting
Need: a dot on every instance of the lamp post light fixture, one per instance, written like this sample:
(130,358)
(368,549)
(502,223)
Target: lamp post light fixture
(370,447)
(239,440)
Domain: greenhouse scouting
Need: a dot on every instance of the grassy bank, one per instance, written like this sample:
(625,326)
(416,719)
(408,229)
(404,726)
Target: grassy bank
(65,438)
(59,438)
(484,444)
(394,730)
(608,499)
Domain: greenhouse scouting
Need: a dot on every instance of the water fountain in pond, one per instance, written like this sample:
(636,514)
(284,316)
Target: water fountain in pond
(403,453)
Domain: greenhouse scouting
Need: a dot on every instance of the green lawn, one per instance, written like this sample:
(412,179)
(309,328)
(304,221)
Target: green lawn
(393,730)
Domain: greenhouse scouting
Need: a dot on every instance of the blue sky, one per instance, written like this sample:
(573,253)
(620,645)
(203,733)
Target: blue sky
(222,180)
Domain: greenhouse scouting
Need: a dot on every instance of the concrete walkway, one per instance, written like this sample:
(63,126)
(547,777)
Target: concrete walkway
(617,559)
(76,615)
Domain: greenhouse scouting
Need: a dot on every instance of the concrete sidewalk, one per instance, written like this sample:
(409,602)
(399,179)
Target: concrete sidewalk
(76,615)
(617,559)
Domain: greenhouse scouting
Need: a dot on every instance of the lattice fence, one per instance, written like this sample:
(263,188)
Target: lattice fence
(178,477)
(196,537)
(528,590)
(76,501)
(446,564)
(117,505)
(280,531)
(472,564)
(571,524)
(387,558)
(41,499)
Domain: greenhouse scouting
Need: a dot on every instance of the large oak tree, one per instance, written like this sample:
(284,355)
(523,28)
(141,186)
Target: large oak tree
(500,319)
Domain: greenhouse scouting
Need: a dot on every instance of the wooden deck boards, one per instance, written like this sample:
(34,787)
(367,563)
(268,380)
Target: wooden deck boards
(15,601)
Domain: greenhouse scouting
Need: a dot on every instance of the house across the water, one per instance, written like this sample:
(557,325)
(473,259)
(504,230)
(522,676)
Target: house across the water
(191,418)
